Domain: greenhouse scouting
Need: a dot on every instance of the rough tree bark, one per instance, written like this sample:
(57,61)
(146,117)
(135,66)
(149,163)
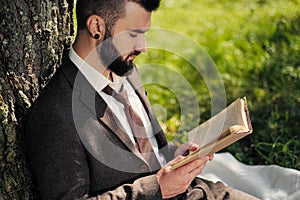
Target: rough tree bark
(33,36)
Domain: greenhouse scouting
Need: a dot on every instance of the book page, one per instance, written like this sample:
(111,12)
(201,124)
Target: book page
(212,129)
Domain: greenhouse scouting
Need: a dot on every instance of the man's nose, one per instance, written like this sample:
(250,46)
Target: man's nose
(141,44)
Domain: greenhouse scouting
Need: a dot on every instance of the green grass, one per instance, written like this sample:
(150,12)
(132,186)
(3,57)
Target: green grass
(255,46)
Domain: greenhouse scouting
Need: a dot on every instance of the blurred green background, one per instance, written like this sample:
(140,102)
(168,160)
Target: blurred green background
(255,46)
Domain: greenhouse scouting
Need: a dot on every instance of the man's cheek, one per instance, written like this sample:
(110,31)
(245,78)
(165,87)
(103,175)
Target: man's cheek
(124,45)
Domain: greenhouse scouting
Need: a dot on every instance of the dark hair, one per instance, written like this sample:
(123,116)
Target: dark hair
(109,10)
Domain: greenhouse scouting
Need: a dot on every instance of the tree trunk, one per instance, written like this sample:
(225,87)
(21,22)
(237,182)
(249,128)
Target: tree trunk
(33,36)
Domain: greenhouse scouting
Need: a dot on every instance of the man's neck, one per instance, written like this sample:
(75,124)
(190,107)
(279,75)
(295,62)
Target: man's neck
(83,46)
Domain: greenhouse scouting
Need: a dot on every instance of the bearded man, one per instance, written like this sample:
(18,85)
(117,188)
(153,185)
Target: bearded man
(85,142)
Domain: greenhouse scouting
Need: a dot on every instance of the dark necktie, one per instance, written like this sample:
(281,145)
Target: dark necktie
(137,127)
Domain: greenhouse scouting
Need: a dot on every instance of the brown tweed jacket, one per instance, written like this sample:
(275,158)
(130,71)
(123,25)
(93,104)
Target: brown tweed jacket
(76,148)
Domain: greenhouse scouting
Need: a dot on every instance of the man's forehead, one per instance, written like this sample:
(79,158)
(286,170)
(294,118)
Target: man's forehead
(136,19)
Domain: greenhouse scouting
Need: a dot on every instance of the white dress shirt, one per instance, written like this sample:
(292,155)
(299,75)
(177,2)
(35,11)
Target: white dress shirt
(99,82)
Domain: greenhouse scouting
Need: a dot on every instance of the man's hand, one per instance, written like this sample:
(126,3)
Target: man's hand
(177,181)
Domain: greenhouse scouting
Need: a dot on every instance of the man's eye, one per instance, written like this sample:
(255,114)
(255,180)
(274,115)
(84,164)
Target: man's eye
(133,34)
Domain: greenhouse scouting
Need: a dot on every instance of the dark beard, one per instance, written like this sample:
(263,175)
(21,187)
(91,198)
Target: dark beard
(112,58)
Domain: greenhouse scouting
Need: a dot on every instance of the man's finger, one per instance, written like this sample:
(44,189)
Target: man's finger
(185,169)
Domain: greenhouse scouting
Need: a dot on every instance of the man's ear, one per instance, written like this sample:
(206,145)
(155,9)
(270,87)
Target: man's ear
(96,27)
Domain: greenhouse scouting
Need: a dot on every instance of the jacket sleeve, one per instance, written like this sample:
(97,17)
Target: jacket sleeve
(143,188)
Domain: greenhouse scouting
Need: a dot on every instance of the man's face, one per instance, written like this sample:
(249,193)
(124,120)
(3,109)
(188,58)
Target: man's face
(128,39)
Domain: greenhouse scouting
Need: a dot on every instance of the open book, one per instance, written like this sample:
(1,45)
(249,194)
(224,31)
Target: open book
(223,129)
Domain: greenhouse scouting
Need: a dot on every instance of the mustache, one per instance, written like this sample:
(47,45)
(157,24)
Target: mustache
(134,53)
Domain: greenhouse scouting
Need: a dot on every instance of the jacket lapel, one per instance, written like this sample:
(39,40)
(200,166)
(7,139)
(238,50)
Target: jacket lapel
(106,116)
